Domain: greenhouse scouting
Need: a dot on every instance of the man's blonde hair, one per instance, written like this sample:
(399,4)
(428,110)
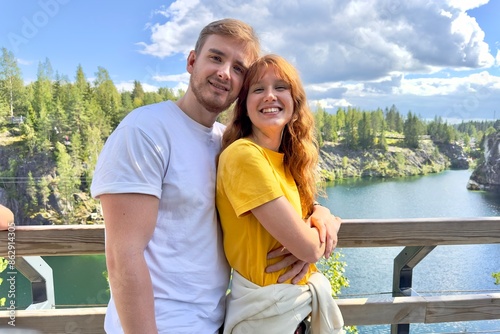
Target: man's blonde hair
(236,29)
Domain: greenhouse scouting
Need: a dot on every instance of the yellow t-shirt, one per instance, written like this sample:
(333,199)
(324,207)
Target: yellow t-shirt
(248,176)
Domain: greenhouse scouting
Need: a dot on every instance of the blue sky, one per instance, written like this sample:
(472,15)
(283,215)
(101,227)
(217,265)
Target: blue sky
(433,58)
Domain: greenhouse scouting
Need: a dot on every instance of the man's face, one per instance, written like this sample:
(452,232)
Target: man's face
(217,72)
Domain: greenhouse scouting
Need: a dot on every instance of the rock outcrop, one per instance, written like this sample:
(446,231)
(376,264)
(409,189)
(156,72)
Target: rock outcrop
(456,154)
(486,176)
(338,161)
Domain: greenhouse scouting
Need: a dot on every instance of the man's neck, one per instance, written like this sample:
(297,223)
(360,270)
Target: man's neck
(190,106)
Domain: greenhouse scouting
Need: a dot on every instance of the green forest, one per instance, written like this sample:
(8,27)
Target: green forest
(52,131)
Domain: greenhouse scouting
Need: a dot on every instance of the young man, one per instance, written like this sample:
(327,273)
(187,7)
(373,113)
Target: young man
(156,181)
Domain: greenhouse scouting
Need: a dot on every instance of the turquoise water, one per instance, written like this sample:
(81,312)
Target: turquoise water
(450,269)
(78,280)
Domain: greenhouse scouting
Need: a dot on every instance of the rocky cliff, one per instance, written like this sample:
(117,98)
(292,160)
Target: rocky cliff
(338,161)
(486,176)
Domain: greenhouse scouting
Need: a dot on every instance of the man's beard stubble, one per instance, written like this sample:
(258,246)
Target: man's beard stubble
(211,102)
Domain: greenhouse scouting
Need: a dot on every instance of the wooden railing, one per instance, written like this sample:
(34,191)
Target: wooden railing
(80,240)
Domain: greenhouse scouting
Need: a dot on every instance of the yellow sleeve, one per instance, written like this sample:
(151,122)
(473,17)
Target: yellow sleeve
(248,177)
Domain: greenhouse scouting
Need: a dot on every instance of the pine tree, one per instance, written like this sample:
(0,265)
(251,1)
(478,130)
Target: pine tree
(319,121)
(43,107)
(44,191)
(340,118)
(152,97)
(382,140)
(127,104)
(11,82)
(81,85)
(31,192)
(167,94)
(411,131)
(365,133)
(138,95)
(351,136)
(107,97)
(68,177)
(330,127)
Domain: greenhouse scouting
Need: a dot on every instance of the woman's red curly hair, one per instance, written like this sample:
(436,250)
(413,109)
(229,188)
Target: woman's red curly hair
(298,142)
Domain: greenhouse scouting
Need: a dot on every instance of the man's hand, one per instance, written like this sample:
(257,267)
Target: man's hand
(328,226)
(298,268)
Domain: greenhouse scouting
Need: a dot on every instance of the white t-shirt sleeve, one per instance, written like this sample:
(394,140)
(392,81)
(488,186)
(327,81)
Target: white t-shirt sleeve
(130,162)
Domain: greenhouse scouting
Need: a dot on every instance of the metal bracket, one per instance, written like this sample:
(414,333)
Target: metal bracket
(404,263)
(39,273)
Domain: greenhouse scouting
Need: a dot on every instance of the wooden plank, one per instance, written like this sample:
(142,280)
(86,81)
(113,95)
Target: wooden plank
(53,240)
(89,239)
(376,311)
(356,311)
(55,321)
(419,232)
(419,309)
(458,308)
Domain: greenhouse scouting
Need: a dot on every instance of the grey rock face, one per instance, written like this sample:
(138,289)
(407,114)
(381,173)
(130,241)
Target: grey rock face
(487,174)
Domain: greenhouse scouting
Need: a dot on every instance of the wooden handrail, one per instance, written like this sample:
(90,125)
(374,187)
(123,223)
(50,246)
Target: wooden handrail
(414,309)
(420,309)
(419,232)
(57,240)
(89,239)
(88,320)
(356,311)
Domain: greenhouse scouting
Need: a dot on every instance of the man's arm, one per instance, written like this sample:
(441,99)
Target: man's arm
(130,221)
(6,217)
(298,268)
(328,225)
(281,220)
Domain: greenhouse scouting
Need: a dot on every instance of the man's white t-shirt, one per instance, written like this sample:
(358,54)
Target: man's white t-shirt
(160,151)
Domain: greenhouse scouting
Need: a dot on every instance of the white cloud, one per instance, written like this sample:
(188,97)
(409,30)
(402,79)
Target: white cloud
(475,51)
(329,104)
(338,40)
(352,52)
(466,5)
(185,18)
(184,78)
(24,62)
(128,86)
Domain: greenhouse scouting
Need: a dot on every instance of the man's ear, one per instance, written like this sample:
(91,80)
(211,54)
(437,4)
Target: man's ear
(190,61)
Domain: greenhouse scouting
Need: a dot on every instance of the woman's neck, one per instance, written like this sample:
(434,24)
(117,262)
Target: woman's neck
(271,142)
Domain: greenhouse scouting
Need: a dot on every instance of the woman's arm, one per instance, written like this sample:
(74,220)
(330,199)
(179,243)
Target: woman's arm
(281,220)
(328,226)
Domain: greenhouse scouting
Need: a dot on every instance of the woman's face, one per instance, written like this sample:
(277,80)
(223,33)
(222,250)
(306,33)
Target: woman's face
(269,103)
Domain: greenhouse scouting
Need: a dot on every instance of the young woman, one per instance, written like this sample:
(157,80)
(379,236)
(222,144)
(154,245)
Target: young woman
(266,188)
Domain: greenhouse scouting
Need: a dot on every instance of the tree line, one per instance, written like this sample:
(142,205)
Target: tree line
(361,130)
(64,123)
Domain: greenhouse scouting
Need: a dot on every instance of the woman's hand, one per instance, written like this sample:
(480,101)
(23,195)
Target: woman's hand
(328,227)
